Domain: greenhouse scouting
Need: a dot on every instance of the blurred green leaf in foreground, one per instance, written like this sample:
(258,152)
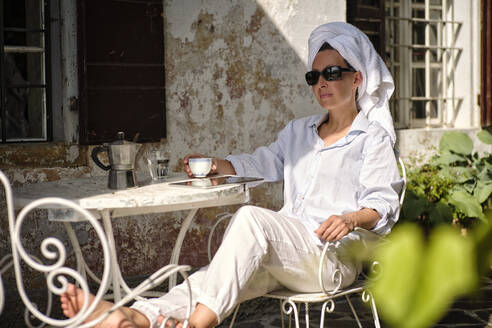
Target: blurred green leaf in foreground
(421,278)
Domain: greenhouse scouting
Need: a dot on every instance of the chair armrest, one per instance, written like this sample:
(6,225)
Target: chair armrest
(337,275)
(367,238)
(221,217)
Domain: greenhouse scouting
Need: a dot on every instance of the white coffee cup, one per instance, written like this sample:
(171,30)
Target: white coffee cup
(200,166)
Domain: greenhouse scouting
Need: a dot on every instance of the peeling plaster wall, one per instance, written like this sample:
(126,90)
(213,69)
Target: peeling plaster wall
(234,78)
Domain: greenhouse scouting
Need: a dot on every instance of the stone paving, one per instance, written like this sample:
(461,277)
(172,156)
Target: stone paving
(265,313)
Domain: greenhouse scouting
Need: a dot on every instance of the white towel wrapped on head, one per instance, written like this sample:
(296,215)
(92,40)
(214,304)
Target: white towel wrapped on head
(355,47)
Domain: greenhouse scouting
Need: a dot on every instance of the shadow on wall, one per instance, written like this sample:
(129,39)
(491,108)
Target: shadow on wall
(232,80)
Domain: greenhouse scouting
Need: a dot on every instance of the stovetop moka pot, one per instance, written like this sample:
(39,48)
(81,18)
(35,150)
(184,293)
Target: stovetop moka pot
(121,154)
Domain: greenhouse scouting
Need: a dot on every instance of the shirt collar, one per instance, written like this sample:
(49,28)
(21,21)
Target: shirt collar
(360,123)
(318,120)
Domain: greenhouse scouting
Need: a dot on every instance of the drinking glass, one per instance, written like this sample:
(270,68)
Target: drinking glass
(158,163)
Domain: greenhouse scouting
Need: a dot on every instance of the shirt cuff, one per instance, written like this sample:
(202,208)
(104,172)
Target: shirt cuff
(149,310)
(384,224)
(238,165)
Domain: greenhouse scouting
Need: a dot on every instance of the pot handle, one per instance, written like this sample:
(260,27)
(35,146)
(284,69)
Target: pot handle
(95,152)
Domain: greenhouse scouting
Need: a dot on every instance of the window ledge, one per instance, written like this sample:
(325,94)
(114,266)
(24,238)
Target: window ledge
(42,155)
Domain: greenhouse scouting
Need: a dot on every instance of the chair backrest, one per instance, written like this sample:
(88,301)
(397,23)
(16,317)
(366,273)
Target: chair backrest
(404,187)
(404,176)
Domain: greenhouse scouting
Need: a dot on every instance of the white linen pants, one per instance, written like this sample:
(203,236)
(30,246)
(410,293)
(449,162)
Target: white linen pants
(262,251)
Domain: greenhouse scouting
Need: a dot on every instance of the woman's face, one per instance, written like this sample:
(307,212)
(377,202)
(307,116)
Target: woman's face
(335,94)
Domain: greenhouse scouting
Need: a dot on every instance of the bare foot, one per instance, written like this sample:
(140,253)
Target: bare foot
(73,299)
(169,323)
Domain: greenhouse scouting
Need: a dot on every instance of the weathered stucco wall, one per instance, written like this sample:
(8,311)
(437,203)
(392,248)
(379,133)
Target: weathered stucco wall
(416,146)
(234,78)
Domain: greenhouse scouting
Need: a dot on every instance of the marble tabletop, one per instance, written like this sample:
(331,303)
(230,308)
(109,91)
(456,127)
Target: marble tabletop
(93,194)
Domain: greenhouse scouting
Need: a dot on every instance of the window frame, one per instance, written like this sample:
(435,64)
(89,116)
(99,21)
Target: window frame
(403,66)
(47,123)
(485,97)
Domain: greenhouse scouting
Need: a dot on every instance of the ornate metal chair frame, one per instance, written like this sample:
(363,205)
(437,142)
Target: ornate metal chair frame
(289,299)
(58,271)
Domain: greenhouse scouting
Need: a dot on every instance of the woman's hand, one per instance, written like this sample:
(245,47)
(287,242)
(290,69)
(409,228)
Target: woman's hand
(335,227)
(187,167)
(220,166)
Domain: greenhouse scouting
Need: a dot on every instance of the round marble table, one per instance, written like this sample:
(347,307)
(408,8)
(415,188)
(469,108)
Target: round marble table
(93,194)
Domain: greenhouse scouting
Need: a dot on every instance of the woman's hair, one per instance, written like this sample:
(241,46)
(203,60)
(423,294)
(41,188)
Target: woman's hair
(327,46)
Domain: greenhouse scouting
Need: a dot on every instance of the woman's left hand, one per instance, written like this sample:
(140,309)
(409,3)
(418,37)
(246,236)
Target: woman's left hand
(334,228)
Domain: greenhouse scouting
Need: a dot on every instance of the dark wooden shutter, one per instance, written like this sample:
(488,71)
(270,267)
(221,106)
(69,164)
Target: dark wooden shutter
(368,16)
(486,64)
(121,70)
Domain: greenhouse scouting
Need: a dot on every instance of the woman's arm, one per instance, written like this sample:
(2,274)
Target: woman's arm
(223,166)
(266,162)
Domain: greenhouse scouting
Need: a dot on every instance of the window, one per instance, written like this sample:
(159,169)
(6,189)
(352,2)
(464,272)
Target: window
(84,80)
(368,16)
(121,70)
(24,63)
(421,36)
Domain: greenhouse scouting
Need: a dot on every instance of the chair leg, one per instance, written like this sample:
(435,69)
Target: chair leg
(306,308)
(288,307)
(281,314)
(374,311)
(366,297)
(234,316)
(327,307)
(353,311)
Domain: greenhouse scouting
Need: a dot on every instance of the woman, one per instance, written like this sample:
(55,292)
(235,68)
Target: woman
(339,172)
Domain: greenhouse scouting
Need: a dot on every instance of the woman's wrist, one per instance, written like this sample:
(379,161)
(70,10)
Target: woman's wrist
(223,166)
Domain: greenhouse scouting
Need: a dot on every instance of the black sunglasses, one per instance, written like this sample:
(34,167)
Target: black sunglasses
(330,73)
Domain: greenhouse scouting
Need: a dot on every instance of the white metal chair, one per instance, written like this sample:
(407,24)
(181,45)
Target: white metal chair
(54,250)
(289,299)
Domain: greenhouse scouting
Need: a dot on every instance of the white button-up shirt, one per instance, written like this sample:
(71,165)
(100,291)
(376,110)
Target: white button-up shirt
(358,171)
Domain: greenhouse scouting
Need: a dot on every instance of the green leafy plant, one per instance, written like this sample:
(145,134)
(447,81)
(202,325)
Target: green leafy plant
(422,274)
(421,277)
(455,186)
